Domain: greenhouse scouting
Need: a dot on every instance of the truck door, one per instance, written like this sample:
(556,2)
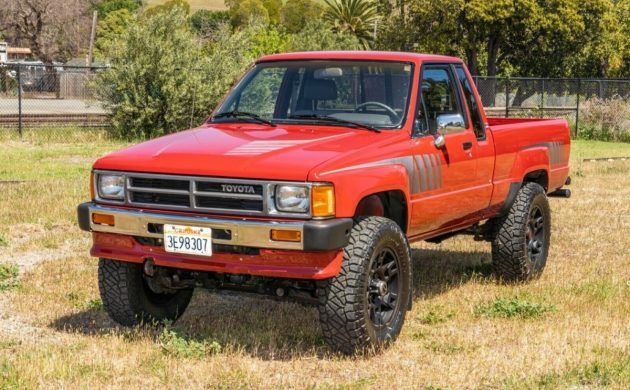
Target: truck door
(485,154)
(447,194)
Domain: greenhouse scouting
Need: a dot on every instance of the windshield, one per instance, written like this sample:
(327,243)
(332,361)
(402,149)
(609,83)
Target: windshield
(366,92)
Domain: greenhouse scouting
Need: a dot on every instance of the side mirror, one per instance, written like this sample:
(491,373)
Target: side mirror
(450,123)
(439,141)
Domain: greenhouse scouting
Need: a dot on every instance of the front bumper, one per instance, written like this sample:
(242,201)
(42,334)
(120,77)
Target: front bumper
(316,236)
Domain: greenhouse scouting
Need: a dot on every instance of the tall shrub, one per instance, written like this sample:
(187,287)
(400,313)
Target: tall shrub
(155,85)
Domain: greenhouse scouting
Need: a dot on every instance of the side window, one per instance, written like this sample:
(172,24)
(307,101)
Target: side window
(471,101)
(438,97)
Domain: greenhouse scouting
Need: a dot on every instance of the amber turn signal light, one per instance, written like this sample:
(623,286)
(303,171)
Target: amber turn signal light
(323,201)
(103,219)
(286,235)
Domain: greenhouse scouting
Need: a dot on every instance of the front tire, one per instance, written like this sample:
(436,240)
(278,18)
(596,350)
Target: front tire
(521,244)
(365,305)
(130,300)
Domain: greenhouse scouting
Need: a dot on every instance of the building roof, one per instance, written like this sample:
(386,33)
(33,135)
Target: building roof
(18,50)
(358,55)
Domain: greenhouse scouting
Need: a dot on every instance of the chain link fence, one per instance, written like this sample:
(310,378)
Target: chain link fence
(594,108)
(49,102)
(59,102)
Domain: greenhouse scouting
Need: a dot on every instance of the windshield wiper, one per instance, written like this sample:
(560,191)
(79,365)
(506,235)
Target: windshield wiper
(236,114)
(333,119)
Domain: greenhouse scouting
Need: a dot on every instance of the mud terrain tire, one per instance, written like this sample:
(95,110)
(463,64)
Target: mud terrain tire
(365,305)
(130,301)
(521,243)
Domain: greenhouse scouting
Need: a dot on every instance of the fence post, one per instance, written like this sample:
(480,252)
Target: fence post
(577,108)
(542,96)
(19,85)
(507,97)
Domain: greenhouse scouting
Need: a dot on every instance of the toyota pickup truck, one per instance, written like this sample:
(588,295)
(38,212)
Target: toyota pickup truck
(310,180)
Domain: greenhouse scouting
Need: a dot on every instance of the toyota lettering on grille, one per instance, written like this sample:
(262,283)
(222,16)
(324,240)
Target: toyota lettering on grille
(239,189)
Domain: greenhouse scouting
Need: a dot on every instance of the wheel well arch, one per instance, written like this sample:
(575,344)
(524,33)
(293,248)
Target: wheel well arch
(539,176)
(390,204)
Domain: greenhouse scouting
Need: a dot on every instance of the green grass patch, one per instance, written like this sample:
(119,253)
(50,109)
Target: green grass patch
(173,343)
(599,290)
(8,276)
(512,308)
(598,149)
(601,373)
(433,317)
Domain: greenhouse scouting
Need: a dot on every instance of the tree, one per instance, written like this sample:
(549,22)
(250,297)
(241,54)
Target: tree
(107,6)
(169,6)
(156,83)
(111,30)
(204,22)
(273,9)
(53,30)
(249,11)
(528,37)
(356,17)
(297,13)
(326,38)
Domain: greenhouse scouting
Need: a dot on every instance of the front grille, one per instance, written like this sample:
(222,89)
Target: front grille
(160,199)
(165,184)
(195,193)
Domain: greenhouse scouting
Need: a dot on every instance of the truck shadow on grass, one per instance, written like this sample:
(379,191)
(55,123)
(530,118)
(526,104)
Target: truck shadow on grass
(267,329)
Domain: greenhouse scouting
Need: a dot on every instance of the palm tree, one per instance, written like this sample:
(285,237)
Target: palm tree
(356,17)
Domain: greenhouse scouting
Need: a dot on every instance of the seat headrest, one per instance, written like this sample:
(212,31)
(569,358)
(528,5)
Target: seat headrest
(320,89)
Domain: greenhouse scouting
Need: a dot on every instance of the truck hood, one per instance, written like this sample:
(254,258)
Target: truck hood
(241,150)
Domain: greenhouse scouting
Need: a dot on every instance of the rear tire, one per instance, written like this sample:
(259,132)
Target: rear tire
(521,243)
(365,305)
(129,299)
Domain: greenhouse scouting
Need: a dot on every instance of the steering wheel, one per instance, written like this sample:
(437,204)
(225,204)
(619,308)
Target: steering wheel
(390,111)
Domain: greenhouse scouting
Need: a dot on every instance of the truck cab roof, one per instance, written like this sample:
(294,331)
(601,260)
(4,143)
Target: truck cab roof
(359,55)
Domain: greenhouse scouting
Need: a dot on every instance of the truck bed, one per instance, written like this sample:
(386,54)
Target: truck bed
(529,144)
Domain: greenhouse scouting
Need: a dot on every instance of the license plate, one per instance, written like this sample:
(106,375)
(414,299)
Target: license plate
(190,240)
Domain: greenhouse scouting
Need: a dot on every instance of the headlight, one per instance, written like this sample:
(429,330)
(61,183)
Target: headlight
(111,186)
(293,199)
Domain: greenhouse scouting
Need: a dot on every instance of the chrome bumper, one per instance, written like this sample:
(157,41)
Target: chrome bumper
(315,235)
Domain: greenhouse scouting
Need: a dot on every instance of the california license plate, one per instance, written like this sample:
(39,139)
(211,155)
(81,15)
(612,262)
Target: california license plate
(190,240)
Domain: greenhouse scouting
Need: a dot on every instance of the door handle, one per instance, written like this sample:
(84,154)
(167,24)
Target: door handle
(467,145)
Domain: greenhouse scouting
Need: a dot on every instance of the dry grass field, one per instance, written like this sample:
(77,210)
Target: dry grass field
(568,329)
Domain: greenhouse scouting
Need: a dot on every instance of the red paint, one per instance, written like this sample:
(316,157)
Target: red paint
(275,263)
(475,182)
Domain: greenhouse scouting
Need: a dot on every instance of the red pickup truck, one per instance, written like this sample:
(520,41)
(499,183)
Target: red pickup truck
(310,180)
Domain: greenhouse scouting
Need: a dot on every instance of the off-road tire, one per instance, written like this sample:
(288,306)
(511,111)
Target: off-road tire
(344,308)
(128,299)
(511,260)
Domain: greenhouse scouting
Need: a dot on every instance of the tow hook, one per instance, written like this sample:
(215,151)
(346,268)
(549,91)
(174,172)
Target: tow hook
(149,267)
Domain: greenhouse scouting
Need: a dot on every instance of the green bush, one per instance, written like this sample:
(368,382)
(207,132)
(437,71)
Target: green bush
(605,119)
(8,276)
(157,82)
(173,343)
(204,22)
(317,35)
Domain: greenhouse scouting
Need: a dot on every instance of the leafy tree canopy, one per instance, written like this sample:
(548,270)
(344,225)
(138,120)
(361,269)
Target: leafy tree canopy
(107,6)
(297,13)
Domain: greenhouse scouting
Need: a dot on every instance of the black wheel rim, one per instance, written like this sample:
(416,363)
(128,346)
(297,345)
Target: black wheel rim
(383,288)
(535,235)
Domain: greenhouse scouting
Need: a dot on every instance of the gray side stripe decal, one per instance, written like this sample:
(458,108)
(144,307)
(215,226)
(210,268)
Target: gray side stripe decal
(556,152)
(424,171)
(429,165)
(422,174)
